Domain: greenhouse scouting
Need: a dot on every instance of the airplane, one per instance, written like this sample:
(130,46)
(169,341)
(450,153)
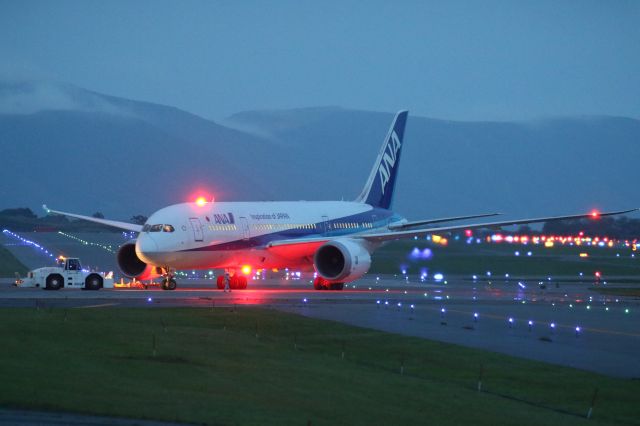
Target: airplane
(334,238)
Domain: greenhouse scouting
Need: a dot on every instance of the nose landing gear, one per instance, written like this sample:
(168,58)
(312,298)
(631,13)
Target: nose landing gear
(168,280)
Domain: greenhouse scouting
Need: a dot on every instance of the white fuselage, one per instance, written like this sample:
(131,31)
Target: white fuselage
(233,234)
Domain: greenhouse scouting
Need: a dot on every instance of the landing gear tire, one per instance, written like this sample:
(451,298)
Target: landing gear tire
(93,282)
(237,282)
(322,284)
(234,282)
(168,284)
(54,282)
(220,282)
(318,284)
(336,286)
(171,285)
(242,283)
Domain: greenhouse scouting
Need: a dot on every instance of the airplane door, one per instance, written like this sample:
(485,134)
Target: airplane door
(197,228)
(325,224)
(244,228)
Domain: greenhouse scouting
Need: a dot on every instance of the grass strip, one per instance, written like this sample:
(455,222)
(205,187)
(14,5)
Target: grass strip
(9,265)
(618,291)
(258,366)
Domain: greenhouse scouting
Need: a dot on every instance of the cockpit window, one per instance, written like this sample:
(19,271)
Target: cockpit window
(155,228)
(146,228)
(168,228)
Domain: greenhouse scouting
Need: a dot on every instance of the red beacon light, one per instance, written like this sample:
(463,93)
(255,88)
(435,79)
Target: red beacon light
(201,201)
(595,214)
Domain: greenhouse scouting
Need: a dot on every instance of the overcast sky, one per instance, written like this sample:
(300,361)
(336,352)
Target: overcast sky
(474,60)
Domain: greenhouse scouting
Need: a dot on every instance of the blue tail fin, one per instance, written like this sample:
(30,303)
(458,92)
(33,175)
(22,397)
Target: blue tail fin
(378,191)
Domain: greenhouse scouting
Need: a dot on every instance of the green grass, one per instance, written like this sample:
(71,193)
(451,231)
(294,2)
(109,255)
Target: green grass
(9,265)
(209,367)
(458,258)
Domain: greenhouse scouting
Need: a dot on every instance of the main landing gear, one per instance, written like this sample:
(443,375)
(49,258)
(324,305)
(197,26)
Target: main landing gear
(320,283)
(236,282)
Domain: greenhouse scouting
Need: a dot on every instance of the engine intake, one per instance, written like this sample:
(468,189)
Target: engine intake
(342,260)
(131,265)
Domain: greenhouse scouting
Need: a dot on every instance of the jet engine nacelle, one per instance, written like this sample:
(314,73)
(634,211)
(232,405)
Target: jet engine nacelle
(342,260)
(131,265)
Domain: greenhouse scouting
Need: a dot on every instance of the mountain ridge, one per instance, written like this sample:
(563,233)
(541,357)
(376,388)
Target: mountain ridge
(129,157)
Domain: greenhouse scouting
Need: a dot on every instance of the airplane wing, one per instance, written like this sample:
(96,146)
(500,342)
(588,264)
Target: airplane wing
(114,223)
(405,225)
(296,248)
(397,235)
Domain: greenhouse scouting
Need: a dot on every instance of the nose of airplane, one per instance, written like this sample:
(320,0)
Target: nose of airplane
(145,245)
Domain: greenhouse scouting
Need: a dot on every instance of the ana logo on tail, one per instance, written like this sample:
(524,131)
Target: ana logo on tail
(378,191)
(388,159)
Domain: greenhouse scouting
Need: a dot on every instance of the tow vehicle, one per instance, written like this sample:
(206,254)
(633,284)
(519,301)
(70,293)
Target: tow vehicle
(68,274)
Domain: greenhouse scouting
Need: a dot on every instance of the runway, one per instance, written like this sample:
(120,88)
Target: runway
(590,331)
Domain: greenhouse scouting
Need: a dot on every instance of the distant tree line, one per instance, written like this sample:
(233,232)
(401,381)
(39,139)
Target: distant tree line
(620,227)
